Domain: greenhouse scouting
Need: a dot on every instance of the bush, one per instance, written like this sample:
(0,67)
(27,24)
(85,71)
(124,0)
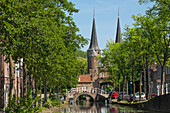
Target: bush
(54,101)
(23,106)
(48,104)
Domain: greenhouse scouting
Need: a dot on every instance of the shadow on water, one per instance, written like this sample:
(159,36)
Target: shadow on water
(84,106)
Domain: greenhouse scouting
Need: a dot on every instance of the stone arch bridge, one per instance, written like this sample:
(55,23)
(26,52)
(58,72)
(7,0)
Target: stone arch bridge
(96,94)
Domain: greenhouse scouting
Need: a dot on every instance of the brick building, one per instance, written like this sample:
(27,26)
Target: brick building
(155,79)
(5,81)
(94,79)
(91,80)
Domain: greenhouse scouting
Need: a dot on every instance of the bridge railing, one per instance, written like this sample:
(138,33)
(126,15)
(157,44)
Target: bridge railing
(95,90)
(78,90)
(99,91)
(72,91)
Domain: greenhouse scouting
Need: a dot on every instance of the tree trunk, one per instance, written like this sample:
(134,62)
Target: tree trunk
(40,92)
(124,85)
(114,85)
(133,82)
(140,91)
(21,80)
(119,83)
(53,90)
(162,80)
(50,91)
(36,88)
(35,81)
(11,77)
(127,88)
(24,79)
(57,92)
(127,85)
(164,74)
(144,79)
(45,91)
(147,79)
(31,82)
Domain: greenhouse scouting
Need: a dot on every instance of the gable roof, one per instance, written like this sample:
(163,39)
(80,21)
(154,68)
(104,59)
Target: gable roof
(84,78)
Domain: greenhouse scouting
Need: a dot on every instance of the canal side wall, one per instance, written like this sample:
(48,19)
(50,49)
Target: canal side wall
(100,98)
(158,103)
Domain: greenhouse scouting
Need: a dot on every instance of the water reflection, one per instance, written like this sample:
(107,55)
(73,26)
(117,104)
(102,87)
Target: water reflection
(89,107)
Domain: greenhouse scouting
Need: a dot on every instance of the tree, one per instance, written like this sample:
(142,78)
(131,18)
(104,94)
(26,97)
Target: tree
(122,59)
(45,37)
(81,53)
(155,25)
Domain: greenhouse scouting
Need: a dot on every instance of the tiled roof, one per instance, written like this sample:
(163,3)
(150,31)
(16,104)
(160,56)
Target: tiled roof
(84,78)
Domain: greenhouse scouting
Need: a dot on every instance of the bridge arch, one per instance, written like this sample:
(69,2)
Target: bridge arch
(93,96)
(87,108)
(95,93)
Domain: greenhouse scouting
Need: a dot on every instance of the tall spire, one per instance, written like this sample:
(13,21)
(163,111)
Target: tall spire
(118,33)
(118,12)
(94,43)
(93,13)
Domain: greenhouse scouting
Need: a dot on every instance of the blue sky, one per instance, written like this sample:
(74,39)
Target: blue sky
(106,14)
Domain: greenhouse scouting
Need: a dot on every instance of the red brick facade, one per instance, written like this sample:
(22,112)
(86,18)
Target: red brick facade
(5,81)
(93,71)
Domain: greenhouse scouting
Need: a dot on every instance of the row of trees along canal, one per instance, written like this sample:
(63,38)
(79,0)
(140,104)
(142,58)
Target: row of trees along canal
(144,45)
(44,35)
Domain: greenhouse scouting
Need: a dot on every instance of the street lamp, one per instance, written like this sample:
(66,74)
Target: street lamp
(130,85)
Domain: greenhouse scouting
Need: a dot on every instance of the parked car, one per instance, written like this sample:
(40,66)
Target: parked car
(120,96)
(143,96)
(131,97)
(114,95)
(136,98)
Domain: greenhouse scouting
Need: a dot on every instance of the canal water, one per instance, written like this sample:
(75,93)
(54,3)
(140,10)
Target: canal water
(89,107)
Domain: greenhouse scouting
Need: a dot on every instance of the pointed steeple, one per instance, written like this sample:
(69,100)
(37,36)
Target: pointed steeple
(94,43)
(118,33)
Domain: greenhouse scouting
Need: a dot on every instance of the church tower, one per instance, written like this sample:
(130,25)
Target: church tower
(93,51)
(118,33)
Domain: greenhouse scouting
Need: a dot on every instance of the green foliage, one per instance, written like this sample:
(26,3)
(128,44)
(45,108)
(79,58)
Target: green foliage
(48,104)
(164,2)
(82,65)
(23,106)
(145,44)
(81,53)
(54,101)
(44,34)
